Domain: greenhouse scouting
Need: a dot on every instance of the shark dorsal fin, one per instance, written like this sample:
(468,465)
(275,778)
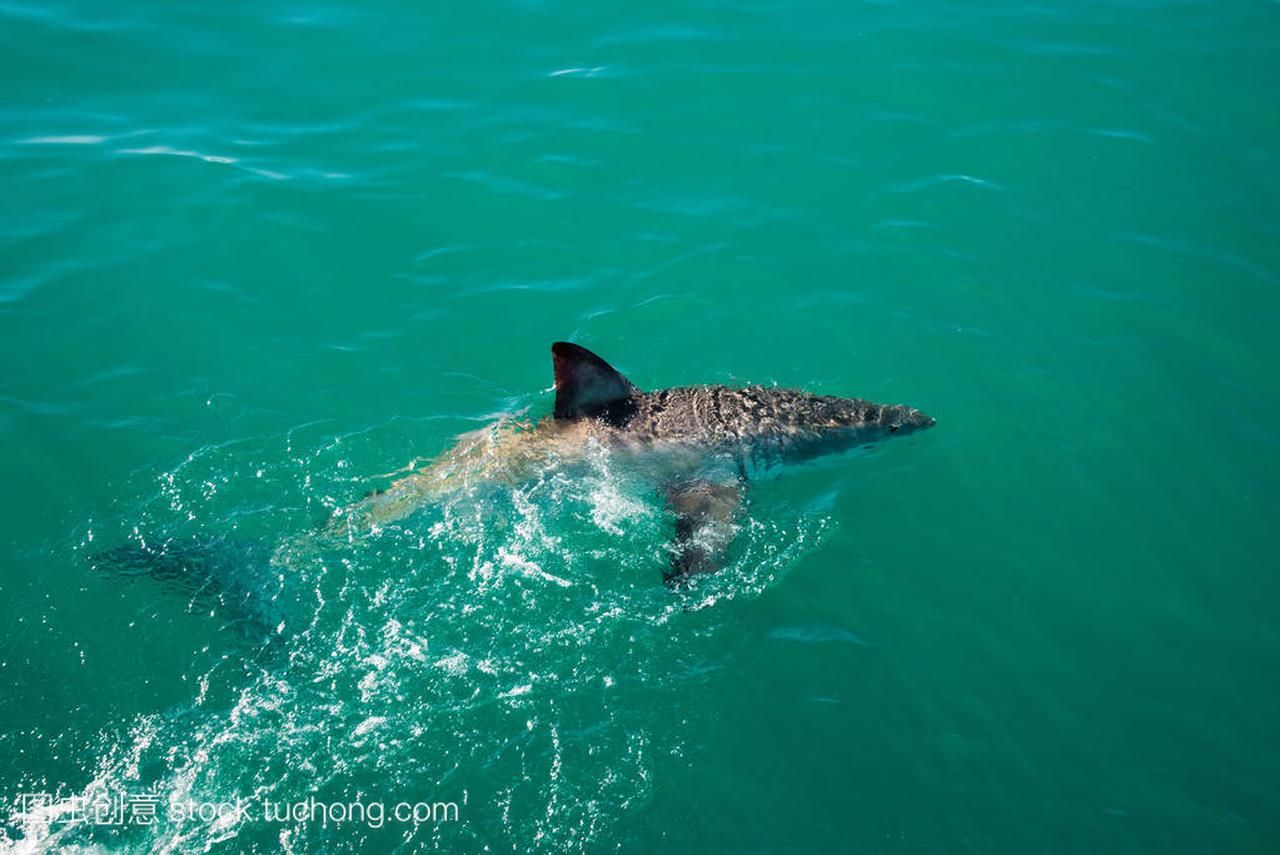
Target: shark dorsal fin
(587,386)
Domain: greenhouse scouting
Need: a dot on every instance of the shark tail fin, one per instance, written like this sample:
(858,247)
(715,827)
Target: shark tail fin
(233,574)
(589,387)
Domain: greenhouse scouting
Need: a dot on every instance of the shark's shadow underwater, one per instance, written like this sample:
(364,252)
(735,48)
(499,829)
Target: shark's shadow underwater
(701,446)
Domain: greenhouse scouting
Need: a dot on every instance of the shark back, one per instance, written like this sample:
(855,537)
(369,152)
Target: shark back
(790,424)
(761,423)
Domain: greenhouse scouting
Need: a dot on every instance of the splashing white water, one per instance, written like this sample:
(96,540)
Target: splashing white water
(474,651)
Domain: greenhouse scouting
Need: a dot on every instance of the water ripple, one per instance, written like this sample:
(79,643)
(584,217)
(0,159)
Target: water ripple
(932,181)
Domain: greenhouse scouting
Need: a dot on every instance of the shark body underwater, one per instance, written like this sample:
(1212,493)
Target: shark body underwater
(701,445)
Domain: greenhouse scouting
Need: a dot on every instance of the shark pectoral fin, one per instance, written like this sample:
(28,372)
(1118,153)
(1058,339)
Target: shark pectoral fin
(705,513)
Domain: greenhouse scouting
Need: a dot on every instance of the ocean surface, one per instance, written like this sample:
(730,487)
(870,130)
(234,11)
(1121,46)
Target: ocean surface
(260,259)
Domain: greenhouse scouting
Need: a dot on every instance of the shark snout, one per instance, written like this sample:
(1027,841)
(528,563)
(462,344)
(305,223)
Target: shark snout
(908,419)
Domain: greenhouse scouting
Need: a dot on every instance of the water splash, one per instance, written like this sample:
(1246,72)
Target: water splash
(486,651)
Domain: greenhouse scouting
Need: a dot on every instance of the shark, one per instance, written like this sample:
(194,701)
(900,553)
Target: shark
(701,445)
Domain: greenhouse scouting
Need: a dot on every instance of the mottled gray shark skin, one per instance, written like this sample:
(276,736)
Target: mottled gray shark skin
(765,425)
(700,444)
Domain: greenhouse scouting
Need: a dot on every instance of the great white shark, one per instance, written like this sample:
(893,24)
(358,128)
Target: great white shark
(702,445)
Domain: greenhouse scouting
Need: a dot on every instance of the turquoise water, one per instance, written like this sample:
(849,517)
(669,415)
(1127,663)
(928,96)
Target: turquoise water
(255,258)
